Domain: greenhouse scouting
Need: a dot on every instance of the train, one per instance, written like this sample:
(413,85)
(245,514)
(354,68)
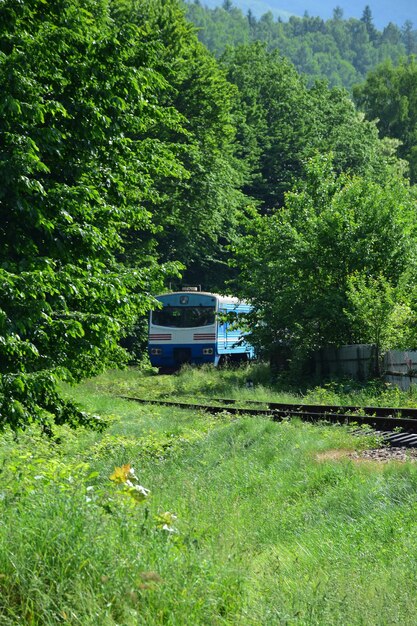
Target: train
(191,327)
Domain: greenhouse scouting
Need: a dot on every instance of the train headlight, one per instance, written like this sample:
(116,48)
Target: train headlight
(156,351)
(208,351)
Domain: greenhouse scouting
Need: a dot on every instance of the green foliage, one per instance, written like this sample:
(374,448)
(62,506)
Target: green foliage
(199,212)
(205,384)
(235,519)
(388,96)
(128,154)
(378,312)
(117,151)
(281,123)
(271,139)
(297,263)
(342,51)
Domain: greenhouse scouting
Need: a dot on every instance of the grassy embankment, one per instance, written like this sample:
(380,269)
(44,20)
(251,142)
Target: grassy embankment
(247,521)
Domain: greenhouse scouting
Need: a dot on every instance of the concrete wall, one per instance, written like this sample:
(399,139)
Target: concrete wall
(398,367)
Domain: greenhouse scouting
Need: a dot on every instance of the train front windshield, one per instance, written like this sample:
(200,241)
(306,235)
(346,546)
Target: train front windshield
(184,316)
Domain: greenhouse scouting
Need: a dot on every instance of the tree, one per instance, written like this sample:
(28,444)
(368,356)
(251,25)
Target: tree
(296,264)
(281,123)
(271,138)
(199,211)
(409,38)
(352,46)
(389,96)
(367,19)
(379,313)
(82,146)
(251,20)
(391,34)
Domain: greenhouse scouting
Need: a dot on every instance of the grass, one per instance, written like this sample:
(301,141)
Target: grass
(206,383)
(244,525)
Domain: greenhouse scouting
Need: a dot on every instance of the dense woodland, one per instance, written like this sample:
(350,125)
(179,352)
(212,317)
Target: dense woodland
(130,155)
(341,50)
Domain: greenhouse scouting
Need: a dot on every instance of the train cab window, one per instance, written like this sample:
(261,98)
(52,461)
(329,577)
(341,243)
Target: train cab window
(184,316)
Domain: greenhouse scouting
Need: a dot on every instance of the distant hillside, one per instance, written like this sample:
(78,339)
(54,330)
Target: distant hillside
(342,50)
(383,11)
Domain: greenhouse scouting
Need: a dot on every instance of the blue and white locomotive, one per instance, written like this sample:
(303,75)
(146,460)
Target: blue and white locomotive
(191,327)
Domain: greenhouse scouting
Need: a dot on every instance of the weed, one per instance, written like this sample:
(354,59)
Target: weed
(177,517)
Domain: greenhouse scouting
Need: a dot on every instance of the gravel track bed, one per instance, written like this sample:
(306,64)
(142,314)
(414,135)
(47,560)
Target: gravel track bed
(385,454)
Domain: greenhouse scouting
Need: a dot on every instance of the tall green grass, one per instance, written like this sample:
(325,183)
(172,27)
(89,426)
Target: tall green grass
(245,383)
(244,524)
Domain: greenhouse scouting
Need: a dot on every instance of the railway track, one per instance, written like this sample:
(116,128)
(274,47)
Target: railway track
(397,427)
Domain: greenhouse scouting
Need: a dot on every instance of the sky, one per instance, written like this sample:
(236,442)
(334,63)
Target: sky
(383,11)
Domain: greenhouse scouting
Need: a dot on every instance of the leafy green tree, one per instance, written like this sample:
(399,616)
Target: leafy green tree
(271,138)
(391,34)
(410,38)
(389,96)
(379,313)
(251,20)
(80,116)
(281,123)
(296,264)
(364,52)
(391,45)
(219,27)
(199,212)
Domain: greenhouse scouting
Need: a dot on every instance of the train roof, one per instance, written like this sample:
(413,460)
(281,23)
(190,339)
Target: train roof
(226,299)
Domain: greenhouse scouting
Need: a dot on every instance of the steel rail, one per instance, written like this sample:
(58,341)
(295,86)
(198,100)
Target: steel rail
(379,411)
(397,431)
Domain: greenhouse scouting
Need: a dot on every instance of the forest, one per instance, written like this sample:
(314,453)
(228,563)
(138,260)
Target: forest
(132,156)
(340,50)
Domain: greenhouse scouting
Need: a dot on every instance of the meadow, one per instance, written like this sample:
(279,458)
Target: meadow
(176,517)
